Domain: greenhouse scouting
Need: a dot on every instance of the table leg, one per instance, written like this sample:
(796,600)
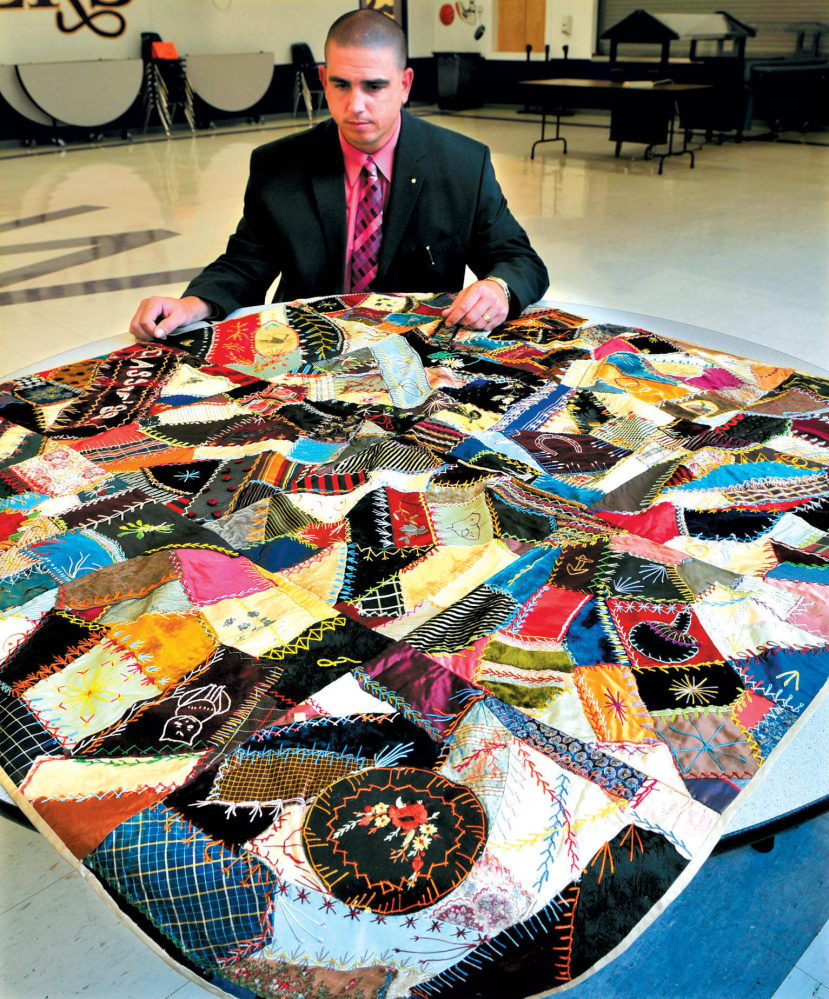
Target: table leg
(556,138)
(685,151)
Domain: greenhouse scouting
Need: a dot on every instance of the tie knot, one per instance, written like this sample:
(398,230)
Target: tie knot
(370,168)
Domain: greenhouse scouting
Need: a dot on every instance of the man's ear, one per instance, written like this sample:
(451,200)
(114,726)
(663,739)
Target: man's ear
(408,76)
(323,74)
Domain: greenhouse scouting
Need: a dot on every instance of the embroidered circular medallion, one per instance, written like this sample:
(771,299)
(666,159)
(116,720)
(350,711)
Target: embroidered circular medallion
(394,839)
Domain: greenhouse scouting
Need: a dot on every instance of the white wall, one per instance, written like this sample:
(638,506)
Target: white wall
(30,34)
(199,27)
(459,36)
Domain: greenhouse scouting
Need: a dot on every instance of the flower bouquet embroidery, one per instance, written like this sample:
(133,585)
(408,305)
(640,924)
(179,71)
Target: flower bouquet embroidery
(409,819)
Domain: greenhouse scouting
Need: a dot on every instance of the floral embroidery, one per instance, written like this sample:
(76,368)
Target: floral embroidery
(410,818)
(139,528)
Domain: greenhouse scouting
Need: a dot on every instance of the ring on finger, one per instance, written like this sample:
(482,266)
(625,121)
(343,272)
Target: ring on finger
(486,317)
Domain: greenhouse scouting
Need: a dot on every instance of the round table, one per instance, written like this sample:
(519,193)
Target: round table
(796,786)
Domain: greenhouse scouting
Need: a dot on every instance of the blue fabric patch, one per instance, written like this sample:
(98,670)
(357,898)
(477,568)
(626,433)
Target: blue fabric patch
(734,475)
(312,452)
(207,898)
(22,501)
(771,728)
(579,494)
(531,414)
(281,553)
(524,576)
(586,641)
(800,573)
(636,367)
(787,676)
(74,554)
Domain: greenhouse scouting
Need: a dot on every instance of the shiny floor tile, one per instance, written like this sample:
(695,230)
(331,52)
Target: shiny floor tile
(736,245)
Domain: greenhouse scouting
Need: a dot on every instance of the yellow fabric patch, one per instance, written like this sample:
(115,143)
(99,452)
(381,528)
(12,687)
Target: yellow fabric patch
(322,574)
(261,621)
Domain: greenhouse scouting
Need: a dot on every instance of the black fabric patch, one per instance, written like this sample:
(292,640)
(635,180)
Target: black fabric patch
(185,479)
(154,526)
(323,655)
(635,577)
(570,452)
(520,524)
(587,411)
(493,396)
(369,521)
(649,343)
(49,642)
(577,567)
(189,718)
(234,827)
(366,570)
(432,832)
(741,525)
(24,414)
(22,738)
(703,686)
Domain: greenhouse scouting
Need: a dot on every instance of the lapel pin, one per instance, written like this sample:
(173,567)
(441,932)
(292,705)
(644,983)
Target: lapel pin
(414,180)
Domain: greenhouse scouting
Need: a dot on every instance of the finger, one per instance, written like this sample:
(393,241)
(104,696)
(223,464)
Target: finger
(458,315)
(143,323)
(479,316)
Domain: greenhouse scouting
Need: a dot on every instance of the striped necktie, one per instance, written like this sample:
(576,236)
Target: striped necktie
(368,228)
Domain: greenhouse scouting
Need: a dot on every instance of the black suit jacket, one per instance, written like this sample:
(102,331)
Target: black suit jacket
(445,211)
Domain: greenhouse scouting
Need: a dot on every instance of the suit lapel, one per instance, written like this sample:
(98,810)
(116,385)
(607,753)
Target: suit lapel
(328,182)
(406,184)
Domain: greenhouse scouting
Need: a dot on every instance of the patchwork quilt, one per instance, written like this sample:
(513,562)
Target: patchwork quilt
(351,655)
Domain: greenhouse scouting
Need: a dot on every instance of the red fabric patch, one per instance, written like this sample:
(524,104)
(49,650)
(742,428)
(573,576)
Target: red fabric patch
(752,709)
(550,613)
(409,520)
(662,634)
(10,524)
(234,340)
(658,523)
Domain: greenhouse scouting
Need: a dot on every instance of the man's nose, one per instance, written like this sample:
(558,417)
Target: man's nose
(356,100)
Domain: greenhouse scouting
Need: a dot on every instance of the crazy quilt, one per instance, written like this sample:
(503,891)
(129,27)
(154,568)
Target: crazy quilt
(351,655)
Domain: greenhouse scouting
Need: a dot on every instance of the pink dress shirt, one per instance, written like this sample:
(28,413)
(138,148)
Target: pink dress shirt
(354,160)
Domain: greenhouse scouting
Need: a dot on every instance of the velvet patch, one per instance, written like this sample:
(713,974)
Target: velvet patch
(430,833)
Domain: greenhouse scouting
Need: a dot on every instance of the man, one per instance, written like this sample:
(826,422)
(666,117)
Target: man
(374,199)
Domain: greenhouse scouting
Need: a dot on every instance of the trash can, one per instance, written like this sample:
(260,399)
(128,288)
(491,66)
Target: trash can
(460,75)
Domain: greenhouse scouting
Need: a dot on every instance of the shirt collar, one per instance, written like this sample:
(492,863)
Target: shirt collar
(356,158)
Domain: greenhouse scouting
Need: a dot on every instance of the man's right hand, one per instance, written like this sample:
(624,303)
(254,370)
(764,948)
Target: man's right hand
(158,316)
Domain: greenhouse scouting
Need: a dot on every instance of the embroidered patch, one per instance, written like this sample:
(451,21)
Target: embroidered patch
(394,840)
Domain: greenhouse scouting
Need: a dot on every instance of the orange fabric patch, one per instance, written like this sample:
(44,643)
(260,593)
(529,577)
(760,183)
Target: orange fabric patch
(612,703)
(83,824)
(166,646)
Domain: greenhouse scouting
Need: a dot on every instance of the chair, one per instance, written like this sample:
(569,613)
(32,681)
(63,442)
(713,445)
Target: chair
(306,79)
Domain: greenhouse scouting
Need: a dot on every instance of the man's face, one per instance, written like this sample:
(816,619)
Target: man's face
(365,89)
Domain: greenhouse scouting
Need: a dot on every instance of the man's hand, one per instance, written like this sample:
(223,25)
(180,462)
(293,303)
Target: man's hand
(173,312)
(481,306)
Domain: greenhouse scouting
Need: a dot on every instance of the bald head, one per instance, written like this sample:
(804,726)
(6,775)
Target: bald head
(368,29)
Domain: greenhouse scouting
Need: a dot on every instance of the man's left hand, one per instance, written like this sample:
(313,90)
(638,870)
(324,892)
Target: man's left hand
(481,306)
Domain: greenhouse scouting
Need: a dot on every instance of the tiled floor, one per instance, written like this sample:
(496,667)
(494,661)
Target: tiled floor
(737,245)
